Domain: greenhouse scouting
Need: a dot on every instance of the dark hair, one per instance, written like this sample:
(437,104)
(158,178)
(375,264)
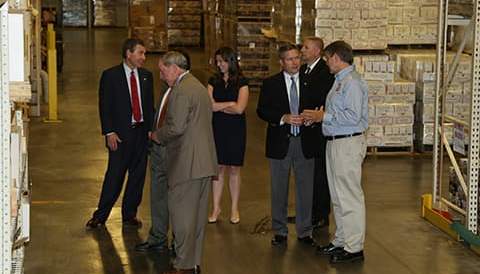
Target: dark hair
(283,48)
(130,45)
(342,49)
(234,72)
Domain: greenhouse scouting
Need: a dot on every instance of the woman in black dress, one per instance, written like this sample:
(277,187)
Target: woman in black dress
(228,90)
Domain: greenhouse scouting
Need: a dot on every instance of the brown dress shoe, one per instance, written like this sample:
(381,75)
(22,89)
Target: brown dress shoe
(180,271)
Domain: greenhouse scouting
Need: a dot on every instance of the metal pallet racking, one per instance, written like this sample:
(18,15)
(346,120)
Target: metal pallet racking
(5,217)
(445,73)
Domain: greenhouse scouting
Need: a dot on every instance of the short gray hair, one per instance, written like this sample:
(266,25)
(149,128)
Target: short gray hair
(175,58)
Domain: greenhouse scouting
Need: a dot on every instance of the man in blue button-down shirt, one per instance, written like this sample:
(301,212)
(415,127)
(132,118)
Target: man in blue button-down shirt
(345,119)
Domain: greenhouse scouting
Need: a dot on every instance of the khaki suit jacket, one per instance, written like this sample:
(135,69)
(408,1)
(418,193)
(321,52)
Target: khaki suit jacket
(187,133)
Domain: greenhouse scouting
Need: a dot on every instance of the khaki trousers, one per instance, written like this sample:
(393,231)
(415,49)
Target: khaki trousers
(344,170)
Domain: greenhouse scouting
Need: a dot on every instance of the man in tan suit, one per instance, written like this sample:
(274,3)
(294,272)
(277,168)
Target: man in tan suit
(186,131)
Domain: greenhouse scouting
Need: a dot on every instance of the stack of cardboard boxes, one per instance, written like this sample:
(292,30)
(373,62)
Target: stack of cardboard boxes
(184,22)
(390,102)
(220,27)
(420,67)
(362,24)
(412,22)
(252,46)
(148,22)
(374,24)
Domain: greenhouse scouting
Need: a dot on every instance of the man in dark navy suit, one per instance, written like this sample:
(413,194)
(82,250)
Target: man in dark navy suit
(318,81)
(126,116)
(289,145)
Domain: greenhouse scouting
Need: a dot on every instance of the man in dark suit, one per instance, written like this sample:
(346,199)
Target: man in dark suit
(318,81)
(288,144)
(126,116)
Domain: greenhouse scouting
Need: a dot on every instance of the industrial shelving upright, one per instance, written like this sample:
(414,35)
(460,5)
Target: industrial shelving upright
(14,187)
(5,216)
(444,76)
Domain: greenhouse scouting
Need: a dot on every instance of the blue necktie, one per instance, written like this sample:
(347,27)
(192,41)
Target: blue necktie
(294,130)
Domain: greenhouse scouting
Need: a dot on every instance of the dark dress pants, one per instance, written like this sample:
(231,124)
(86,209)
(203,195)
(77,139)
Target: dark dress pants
(280,175)
(131,156)
(158,196)
(321,194)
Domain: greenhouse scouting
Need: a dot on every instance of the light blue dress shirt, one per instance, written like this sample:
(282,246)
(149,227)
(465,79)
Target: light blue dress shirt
(346,107)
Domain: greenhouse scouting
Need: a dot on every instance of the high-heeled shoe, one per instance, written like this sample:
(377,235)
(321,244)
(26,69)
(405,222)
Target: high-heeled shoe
(213,218)
(235,219)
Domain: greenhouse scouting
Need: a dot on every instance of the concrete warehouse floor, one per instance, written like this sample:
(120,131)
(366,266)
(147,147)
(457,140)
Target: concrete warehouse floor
(68,160)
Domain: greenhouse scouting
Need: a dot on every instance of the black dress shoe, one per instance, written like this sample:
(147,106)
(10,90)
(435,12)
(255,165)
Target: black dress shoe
(133,222)
(94,223)
(197,270)
(308,240)
(345,256)
(146,246)
(329,249)
(279,240)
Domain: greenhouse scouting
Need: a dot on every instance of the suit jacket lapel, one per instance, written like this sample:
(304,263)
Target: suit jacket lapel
(302,93)
(283,88)
(142,78)
(123,80)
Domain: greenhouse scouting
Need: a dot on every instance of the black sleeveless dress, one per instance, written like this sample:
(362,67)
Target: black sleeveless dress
(229,130)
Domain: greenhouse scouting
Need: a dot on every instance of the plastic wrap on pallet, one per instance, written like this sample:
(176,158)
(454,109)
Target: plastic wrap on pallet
(74,13)
(111,13)
(419,66)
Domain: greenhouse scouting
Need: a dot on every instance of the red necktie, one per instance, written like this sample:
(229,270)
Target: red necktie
(137,115)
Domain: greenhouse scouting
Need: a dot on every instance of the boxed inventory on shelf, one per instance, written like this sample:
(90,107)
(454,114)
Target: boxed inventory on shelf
(108,13)
(148,21)
(412,22)
(184,19)
(390,102)
(259,9)
(363,24)
(419,66)
(20,91)
(219,31)
(254,50)
(374,24)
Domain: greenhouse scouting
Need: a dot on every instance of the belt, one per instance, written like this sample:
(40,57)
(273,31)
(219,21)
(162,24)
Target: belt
(136,125)
(335,137)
